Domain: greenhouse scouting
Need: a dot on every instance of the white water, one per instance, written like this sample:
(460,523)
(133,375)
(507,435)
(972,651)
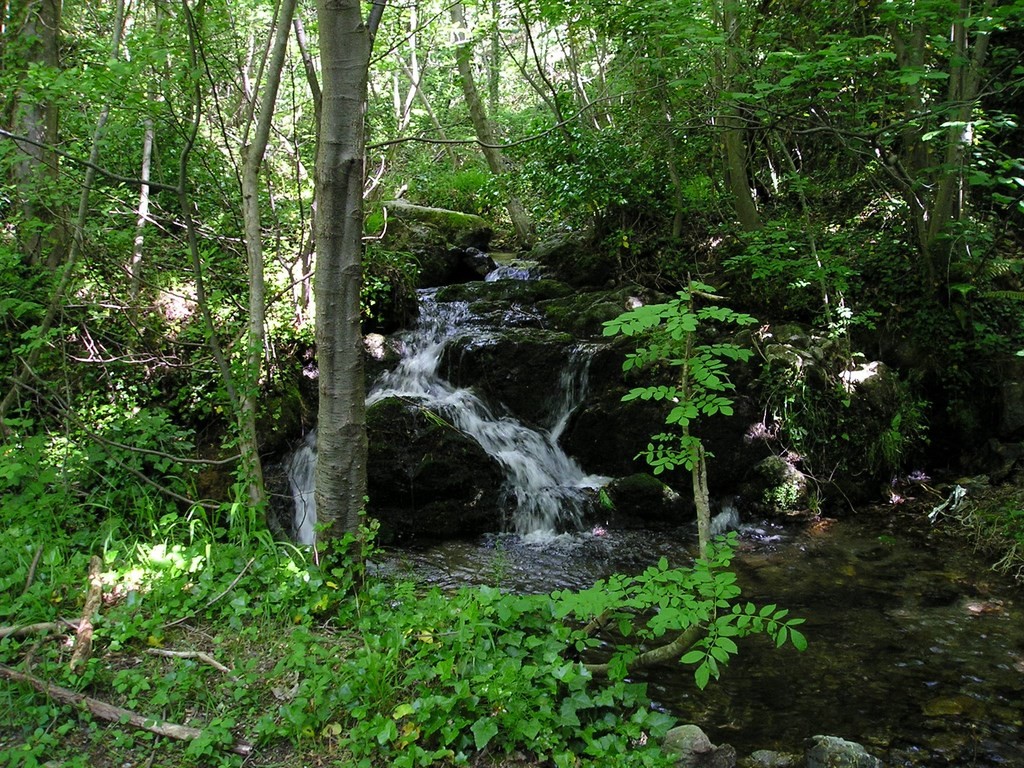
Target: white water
(301,470)
(545,490)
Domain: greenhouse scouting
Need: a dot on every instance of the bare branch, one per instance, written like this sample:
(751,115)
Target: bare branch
(110,713)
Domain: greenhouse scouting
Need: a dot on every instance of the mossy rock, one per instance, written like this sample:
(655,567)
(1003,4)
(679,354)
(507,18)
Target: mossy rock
(518,369)
(643,499)
(462,230)
(426,478)
(505,291)
(584,314)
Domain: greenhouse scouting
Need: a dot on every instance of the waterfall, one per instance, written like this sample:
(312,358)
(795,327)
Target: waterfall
(301,470)
(546,491)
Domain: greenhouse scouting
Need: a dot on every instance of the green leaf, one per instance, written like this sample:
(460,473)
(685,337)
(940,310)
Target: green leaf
(483,730)
(701,675)
(693,657)
(798,640)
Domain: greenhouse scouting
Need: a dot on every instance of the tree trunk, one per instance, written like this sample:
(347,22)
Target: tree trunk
(76,245)
(252,161)
(521,221)
(135,267)
(345,45)
(41,231)
(733,142)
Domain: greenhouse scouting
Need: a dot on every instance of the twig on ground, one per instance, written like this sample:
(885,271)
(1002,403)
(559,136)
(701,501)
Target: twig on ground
(32,570)
(83,640)
(213,600)
(110,713)
(44,626)
(202,656)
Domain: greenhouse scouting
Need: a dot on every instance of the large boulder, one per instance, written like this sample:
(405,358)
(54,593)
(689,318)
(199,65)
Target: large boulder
(573,258)
(450,246)
(643,500)
(606,435)
(584,313)
(691,748)
(426,478)
(521,369)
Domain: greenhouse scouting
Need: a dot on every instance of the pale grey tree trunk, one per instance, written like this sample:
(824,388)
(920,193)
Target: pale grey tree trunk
(521,222)
(345,45)
(42,234)
(135,267)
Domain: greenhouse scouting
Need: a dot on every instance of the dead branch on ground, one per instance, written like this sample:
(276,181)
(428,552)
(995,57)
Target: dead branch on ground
(110,713)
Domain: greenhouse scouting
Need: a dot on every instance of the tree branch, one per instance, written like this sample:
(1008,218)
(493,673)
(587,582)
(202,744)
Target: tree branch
(89,164)
(659,655)
(112,714)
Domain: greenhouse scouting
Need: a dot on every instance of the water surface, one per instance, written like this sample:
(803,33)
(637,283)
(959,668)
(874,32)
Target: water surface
(916,647)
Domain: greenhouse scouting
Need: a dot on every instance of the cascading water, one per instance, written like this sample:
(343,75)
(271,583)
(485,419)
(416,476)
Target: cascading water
(545,489)
(301,470)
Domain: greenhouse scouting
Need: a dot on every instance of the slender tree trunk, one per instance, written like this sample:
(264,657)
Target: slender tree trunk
(931,173)
(733,141)
(494,59)
(521,221)
(305,288)
(77,241)
(345,45)
(135,267)
(252,161)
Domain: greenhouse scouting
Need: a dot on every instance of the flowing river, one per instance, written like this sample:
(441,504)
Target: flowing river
(916,647)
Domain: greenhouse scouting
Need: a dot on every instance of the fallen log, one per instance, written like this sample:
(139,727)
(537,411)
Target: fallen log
(110,713)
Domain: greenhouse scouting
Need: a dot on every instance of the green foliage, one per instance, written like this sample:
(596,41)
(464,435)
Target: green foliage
(437,677)
(662,602)
(668,332)
(471,189)
(389,284)
(580,176)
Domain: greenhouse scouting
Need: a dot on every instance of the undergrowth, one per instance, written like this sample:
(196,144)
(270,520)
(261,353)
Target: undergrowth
(207,622)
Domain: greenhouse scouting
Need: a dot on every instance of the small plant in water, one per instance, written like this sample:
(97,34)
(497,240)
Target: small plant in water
(669,335)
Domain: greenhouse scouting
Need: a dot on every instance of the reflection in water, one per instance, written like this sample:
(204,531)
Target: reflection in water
(916,649)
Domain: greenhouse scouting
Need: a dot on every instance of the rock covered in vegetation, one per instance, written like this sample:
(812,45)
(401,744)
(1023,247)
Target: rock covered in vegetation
(692,748)
(584,312)
(447,244)
(642,499)
(426,478)
(574,259)
(834,752)
(776,486)
(765,758)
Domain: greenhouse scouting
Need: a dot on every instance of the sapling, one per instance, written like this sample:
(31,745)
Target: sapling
(668,332)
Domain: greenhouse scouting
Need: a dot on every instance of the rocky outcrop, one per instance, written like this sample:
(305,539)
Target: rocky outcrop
(642,500)
(575,260)
(450,246)
(521,370)
(426,478)
(691,748)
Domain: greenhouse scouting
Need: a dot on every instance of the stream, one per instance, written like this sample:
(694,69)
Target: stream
(916,647)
